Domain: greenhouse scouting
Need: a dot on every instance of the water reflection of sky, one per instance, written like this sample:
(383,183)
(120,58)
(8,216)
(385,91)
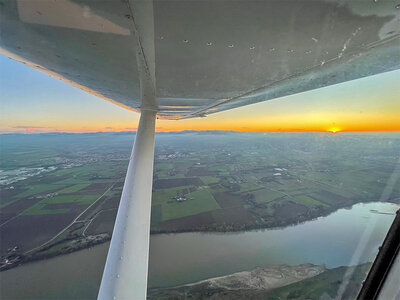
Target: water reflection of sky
(332,240)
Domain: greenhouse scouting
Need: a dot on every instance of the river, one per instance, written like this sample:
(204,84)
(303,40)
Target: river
(346,237)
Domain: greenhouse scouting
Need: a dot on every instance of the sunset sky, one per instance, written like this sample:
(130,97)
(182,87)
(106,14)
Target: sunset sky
(32,101)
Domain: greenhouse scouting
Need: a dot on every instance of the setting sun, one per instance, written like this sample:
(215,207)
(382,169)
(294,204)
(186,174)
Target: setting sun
(334,130)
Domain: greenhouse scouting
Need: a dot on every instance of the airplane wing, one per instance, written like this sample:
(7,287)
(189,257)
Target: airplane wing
(208,55)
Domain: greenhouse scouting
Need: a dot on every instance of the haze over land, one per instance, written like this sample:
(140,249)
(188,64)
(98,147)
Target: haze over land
(60,192)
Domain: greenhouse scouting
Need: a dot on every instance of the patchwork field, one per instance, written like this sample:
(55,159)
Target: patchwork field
(175,182)
(67,187)
(49,204)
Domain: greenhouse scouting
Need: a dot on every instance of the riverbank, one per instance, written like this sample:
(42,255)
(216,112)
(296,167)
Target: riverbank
(75,243)
(69,245)
(260,278)
(179,259)
(272,222)
(66,246)
(305,281)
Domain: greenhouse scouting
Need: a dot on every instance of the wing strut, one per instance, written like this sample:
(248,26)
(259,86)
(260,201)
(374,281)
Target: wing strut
(125,272)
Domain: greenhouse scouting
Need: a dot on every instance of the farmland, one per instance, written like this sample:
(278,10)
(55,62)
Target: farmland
(61,193)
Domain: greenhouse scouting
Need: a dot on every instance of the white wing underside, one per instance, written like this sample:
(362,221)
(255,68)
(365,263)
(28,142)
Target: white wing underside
(202,56)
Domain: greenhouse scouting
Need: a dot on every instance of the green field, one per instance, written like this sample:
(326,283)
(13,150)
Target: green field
(74,188)
(209,179)
(41,189)
(164,195)
(198,201)
(265,195)
(308,201)
(163,166)
(38,208)
(246,187)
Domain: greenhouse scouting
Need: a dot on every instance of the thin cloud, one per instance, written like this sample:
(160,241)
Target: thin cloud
(30,127)
(33,128)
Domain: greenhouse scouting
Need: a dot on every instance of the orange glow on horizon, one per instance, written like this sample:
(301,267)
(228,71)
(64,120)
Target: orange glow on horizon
(356,106)
(241,119)
(367,104)
(214,122)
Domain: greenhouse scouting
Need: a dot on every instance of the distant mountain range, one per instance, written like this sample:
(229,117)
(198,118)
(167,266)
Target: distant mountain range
(200,132)
(126,132)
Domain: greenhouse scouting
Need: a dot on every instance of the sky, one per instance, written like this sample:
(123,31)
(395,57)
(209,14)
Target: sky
(33,102)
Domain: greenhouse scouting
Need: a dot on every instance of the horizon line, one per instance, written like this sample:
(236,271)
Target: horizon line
(208,130)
